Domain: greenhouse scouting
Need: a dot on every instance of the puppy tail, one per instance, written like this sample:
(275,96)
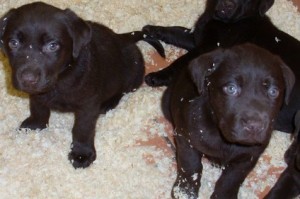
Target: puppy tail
(136,36)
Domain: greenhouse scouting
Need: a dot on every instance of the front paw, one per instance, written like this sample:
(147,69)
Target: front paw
(184,189)
(33,124)
(157,79)
(82,155)
(153,31)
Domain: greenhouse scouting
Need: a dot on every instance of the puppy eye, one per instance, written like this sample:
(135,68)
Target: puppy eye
(273,92)
(14,44)
(232,89)
(51,47)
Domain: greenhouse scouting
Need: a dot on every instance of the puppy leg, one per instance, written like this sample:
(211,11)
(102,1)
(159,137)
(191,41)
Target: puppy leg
(286,186)
(39,115)
(111,103)
(165,76)
(233,176)
(175,35)
(189,172)
(178,36)
(83,151)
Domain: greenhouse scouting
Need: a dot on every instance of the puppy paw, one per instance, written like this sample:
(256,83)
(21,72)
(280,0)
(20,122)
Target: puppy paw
(185,189)
(156,79)
(82,155)
(183,192)
(33,124)
(153,32)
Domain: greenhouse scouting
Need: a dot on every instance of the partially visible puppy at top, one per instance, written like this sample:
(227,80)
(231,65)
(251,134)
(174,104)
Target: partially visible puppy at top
(67,64)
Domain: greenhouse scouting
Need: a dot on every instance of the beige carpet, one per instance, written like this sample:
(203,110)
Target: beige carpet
(34,164)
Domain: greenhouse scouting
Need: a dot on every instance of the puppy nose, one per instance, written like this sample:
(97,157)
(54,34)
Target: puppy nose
(30,77)
(253,125)
(227,6)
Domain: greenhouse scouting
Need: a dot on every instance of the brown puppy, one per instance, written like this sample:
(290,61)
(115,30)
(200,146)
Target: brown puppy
(223,106)
(68,64)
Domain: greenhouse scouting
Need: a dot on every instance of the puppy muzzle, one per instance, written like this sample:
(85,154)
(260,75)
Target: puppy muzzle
(248,131)
(225,10)
(30,80)
(256,126)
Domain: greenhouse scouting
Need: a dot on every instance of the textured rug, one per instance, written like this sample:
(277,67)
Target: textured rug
(133,158)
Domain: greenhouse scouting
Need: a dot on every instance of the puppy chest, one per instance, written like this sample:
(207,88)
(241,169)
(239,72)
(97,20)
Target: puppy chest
(64,103)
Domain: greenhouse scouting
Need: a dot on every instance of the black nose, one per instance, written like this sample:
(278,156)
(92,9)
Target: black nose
(253,125)
(30,77)
(225,9)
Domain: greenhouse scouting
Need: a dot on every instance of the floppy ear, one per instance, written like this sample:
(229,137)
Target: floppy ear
(204,66)
(3,23)
(78,29)
(289,79)
(264,6)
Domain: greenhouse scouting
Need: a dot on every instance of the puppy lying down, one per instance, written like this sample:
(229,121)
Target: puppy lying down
(70,65)
(223,106)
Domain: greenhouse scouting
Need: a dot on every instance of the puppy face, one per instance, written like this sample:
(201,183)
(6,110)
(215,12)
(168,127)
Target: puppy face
(246,89)
(234,10)
(39,43)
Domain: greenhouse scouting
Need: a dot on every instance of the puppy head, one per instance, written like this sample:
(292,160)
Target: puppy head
(41,41)
(246,86)
(234,10)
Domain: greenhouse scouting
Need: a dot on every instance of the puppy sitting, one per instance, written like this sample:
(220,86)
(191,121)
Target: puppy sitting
(288,185)
(70,65)
(226,23)
(223,106)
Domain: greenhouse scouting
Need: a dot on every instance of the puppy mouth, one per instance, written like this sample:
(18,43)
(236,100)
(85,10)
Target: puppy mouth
(245,134)
(34,87)
(245,137)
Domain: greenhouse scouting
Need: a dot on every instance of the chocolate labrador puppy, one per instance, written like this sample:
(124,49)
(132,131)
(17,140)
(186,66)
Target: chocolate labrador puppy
(223,105)
(65,63)
(288,185)
(226,23)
